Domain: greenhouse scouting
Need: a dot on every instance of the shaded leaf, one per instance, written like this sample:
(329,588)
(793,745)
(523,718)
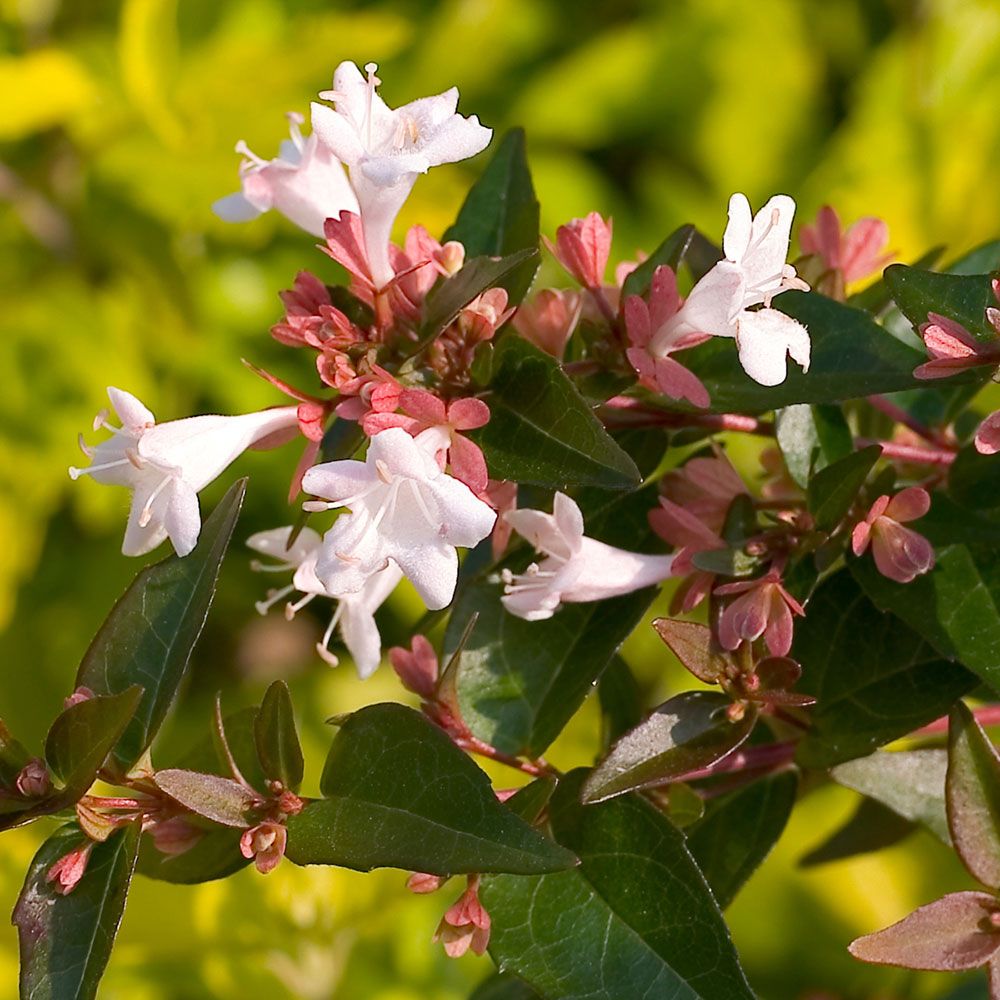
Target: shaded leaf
(541,430)
(216,855)
(276,739)
(690,731)
(400,794)
(954,606)
(833,490)
(974,479)
(13,757)
(875,679)
(981,260)
(148,637)
(962,298)
(504,987)
(739,830)
(341,440)
(972,791)
(621,701)
(530,801)
(221,800)
(871,827)
(947,935)
(811,438)
(641,917)
(450,297)
(500,213)
(670,253)
(909,782)
(66,941)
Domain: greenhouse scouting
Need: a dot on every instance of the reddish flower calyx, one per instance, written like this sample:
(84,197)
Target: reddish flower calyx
(900,553)
(265,843)
(33,780)
(466,925)
(65,874)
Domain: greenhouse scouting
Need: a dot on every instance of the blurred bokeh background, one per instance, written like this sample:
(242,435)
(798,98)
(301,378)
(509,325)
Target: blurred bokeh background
(117,125)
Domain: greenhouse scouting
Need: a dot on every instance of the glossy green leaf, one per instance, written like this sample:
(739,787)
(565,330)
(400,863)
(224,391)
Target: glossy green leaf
(972,792)
(66,940)
(875,679)
(871,827)
(219,799)
(450,297)
(833,490)
(542,431)
(639,913)
(910,783)
(83,735)
(500,213)
(341,440)
(962,298)
(621,701)
(954,607)
(148,637)
(739,830)
(400,794)
(670,253)
(811,438)
(530,801)
(504,987)
(852,356)
(688,732)
(276,738)
(974,479)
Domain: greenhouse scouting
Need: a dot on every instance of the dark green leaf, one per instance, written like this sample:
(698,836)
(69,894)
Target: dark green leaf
(811,438)
(216,855)
(877,296)
(500,213)
(910,783)
(972,792)
(954,607)
(981,260)
(450,297)
(641,919)
(871,827)
(82,737)
(833,490)
(852,356)
(690,731)
(726,562)
(946,523)
(541,430)
(875,678)
(739,830)
(341,440)
(400,794)
(670,253)
(701,255)
(962,298)
(13,757)
(621,701)
(148,637)
(66,940)
(974,479)
(530,801)
(221,800)
(276,739)
(504,987)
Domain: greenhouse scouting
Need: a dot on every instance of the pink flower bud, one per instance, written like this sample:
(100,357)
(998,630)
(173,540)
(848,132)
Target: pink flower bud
(417,667)
(856,252)
(988,435)
(583,247)
(33,781)
(763,608)
(451,257)
(466,924)
(174,836)
(422,883)
(900,553)
(69,869)
(79,695)
(265,843)
(549,319)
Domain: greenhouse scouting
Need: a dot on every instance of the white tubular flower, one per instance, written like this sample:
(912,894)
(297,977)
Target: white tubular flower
(403,509)
(753,273)
(386,148)
(355,613)
(167,465)
(576,568)
(306,183)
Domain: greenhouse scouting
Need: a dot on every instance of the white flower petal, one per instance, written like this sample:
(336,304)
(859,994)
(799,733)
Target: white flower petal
(351,551)
(764,339)
(465,519)
(337,134)
(275,543)
(182,517)
(737,236)
(236,207)
(401,454)
(135,416)
(361,637)
(433,571)
(142,538)
(710,309)
(336,481)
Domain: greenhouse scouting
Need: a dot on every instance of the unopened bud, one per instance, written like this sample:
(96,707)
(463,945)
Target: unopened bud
(175,836)
(422,883)
(451,257)
(33,781)
(80,694)
(69,869)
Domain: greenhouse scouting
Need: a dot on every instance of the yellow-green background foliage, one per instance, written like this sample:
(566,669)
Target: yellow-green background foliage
(117,122)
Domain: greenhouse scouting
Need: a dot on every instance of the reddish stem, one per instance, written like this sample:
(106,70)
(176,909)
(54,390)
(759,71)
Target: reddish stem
(988,715)
(650,416)
(536,768)
(101,802)
(900,416)
(770,756)
(909,453)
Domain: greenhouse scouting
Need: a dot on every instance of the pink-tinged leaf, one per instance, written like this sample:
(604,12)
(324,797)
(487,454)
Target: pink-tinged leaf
(972,795)
(692,644)
(221,800)
(951,934)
